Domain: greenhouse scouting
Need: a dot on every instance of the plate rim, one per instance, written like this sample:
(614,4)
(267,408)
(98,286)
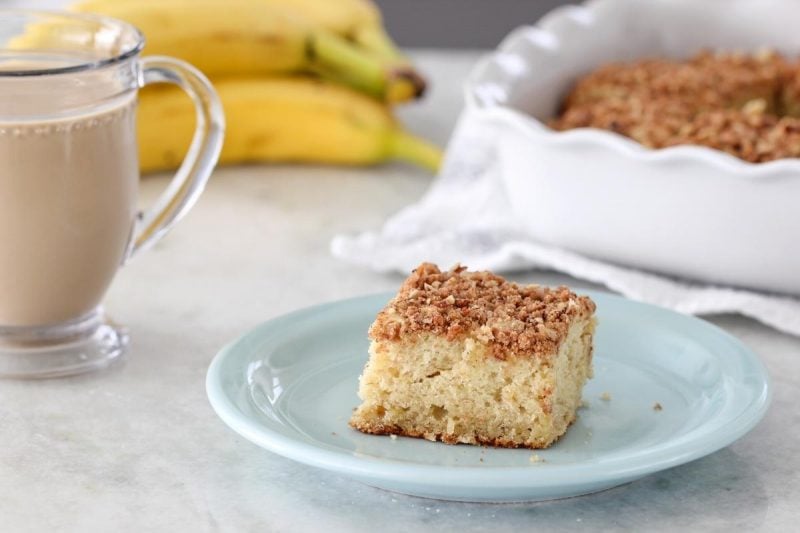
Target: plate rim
(627,467)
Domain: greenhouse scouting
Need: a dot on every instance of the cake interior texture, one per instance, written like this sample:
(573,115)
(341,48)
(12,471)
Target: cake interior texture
(468,357)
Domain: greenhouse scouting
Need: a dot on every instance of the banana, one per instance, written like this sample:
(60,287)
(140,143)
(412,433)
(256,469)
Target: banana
(280,120)
(356,20)
(254,37)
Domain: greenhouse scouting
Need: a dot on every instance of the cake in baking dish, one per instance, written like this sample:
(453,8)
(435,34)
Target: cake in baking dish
(468,357)
(744,104)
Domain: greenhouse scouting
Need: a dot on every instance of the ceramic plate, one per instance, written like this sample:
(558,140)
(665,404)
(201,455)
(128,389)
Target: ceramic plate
(290,385)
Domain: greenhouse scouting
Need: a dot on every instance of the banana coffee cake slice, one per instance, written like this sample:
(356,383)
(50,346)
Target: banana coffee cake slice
(468,357)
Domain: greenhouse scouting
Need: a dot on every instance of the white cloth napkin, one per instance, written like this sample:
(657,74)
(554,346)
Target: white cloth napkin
(466,217)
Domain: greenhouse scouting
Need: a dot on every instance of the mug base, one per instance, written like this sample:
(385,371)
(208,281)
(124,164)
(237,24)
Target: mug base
(83,345)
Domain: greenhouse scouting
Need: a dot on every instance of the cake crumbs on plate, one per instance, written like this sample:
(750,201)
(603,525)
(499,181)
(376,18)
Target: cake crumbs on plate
(606,397)
(657,407)
(393,436)
(534,458)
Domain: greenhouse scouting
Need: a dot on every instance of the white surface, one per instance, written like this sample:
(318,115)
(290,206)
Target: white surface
(651,209)
(138,447)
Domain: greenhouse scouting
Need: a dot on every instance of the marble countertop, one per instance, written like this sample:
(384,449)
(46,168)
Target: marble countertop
(138,448)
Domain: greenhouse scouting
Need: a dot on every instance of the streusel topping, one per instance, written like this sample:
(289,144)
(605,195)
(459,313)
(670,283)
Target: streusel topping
(524,320)
(706,81)
(744,104)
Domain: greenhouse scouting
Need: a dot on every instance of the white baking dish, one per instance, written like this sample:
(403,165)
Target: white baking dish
(688,211)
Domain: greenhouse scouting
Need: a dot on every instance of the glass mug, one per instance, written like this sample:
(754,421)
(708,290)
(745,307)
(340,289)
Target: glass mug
(69,182)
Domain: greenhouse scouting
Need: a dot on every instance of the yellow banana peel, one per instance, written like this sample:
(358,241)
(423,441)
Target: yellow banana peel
(344,17)
(281,120)
(340,39)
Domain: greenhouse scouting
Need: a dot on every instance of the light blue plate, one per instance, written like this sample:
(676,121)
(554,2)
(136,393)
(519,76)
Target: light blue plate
(290,385)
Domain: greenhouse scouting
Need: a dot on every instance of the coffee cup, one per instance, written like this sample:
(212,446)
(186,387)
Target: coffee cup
(69,182)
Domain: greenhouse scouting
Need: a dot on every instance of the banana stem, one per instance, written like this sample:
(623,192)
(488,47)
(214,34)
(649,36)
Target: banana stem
(406,147)
(337,59)
(405,84)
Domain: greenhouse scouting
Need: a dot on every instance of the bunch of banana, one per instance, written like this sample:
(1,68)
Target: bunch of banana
(300,80)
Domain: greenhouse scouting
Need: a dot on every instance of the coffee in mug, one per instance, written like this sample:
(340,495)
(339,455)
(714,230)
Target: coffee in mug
(69,182)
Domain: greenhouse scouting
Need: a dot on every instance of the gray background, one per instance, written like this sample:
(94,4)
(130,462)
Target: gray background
(428,23)
(459,23)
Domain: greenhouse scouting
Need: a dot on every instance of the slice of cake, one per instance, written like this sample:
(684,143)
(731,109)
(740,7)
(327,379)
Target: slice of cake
(468,357)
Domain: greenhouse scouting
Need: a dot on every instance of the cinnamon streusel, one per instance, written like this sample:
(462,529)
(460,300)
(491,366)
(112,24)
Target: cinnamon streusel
(743,104)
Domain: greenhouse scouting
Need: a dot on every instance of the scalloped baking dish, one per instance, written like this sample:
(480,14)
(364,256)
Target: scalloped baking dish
(687,211)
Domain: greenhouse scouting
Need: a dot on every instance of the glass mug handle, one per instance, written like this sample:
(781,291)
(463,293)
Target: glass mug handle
(190,179)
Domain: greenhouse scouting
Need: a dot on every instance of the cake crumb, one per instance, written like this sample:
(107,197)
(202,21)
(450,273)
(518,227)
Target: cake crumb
(333,433)
(393,436)
(657,407)
(481,459)
(534,458)
(606,397)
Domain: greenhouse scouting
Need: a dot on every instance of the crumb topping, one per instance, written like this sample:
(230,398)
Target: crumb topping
(706,81)
(510,319)
(744,104)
